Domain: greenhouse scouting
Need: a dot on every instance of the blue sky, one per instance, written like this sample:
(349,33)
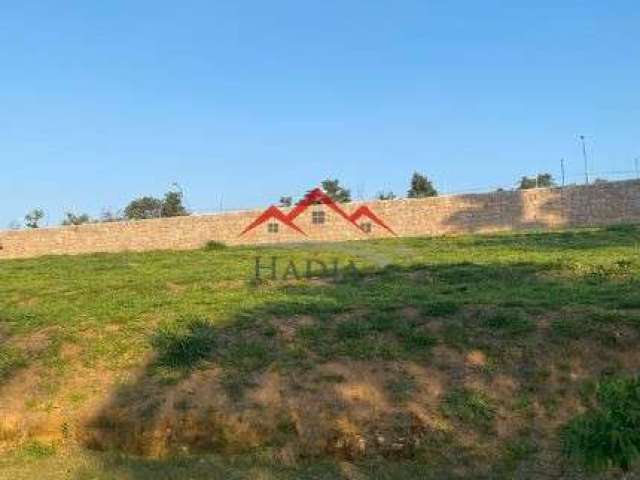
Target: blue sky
(243,101)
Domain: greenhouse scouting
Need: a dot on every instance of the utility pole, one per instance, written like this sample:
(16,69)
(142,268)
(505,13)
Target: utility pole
(635,161)
(586,163)
(562,169)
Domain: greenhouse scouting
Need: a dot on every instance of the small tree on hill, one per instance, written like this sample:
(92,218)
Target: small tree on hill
(542,180)
(108,216)
(73,219)
(151,207)
(421,187)
(286,201)
(143,208)
(33,218)
(386,196)
(172,205)
(336,191)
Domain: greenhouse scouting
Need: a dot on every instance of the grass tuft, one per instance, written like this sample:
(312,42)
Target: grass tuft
(469,406)
(11,359)
(513,322)
(185,343)
(608,434)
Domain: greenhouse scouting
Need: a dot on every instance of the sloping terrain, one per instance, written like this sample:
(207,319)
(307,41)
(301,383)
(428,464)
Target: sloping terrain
(421,358)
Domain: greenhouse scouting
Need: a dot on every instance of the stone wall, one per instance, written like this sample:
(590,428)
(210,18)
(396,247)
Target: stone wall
(576,206)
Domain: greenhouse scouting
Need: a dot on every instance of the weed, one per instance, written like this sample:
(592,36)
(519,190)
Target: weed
(608,434)
(36,450)
(469,406)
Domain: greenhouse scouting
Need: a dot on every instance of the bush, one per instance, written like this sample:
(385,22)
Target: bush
(608,434)
(336,191)
(150,207)
(73,219)
(421,187)
(185,344)
(542,180)
(143,208)
(33,218)
(213,245)
(172,205)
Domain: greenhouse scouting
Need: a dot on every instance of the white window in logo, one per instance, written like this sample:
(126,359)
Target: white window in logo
(366,227)
(272,227)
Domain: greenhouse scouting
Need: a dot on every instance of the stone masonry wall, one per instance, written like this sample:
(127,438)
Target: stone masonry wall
(576,206)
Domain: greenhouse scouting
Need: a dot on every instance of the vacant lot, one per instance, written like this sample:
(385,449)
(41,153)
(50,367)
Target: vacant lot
(423,358)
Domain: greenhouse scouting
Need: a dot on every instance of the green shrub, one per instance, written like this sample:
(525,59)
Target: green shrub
(184,344)
(213,245)
(608,434)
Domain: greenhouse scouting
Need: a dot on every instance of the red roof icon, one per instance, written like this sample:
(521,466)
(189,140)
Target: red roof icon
(317,195)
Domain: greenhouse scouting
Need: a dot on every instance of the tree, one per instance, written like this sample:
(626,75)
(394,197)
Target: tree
(286,201)
(421,187)
(73,219)
(172,205)
(142,208)
(386,195)
(32,219)
(151,207)
(335,191)
(108,216)
(527,183)
(542,180)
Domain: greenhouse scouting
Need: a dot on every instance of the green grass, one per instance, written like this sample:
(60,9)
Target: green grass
(471,408)
(608,434)
(11,359)
(185,343)
(540,307)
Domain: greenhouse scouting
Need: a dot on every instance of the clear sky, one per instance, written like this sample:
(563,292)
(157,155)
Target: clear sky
(244,101)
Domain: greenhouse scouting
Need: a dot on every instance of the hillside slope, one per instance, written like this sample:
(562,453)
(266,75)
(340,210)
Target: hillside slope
(425,357)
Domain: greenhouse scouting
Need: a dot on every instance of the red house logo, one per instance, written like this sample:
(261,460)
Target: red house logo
(316,196)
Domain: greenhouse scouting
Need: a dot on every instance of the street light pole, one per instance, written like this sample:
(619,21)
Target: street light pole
(584,156)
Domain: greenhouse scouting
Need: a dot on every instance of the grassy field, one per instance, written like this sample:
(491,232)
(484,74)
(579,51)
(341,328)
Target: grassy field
(463,357)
